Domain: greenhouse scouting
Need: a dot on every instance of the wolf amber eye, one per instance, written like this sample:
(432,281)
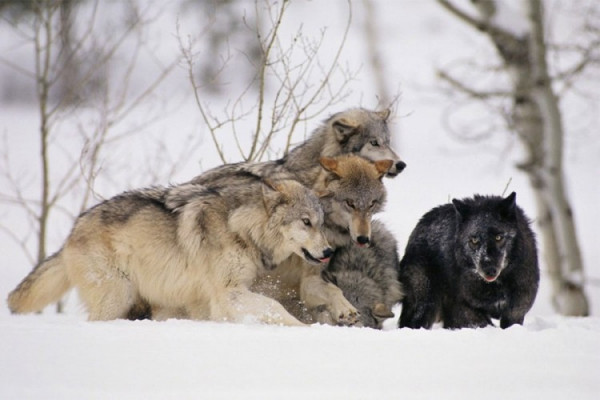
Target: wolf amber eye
(306,221)
(374,143)
(474,241)
(499,238)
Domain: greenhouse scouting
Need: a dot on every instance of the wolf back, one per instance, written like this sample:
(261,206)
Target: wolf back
(355,131)
(469,262)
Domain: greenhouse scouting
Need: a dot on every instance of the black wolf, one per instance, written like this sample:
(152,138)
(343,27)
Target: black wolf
(468,262)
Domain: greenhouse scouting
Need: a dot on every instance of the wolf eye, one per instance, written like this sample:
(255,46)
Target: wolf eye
(373,204)
(474,241)
(306,221)
(499,238)
(350,203)
(374,143)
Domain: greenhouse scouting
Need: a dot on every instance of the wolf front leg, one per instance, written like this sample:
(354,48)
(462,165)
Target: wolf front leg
(242,305)
(327,301)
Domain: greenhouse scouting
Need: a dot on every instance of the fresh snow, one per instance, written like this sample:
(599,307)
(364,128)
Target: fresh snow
(62,357)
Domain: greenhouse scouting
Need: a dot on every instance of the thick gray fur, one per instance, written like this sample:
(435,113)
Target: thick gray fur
(368,276)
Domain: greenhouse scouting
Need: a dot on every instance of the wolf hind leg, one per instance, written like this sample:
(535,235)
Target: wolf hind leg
(111,299)
(106,292)
(243,305)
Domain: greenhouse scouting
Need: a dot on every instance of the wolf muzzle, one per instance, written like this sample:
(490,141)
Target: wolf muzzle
(327,253)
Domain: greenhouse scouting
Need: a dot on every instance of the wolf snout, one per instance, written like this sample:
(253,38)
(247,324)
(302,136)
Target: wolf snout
(400,165)
(396,168)
(489,274)
(327,253)
(362,240)
(325,256)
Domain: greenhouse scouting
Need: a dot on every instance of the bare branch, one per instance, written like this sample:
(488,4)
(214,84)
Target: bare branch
(471,92)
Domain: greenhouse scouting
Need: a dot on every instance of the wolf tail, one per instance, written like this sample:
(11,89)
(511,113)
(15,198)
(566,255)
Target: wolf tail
(44,285)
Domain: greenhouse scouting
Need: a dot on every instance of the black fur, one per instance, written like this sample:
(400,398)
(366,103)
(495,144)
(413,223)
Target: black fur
(452,269)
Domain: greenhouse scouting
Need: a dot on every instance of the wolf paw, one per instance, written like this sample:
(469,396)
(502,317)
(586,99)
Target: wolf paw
(348,319)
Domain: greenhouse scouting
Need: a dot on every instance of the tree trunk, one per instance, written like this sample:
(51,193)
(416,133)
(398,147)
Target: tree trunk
(569,299)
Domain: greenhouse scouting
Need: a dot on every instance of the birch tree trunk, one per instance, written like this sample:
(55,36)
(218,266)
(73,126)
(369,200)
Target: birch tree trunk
(536,118)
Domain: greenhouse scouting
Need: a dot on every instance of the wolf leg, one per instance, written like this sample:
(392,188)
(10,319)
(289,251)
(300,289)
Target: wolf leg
(111,299)
(416,315)
(327,298)
(463,316)
(422,302)
(242,305)
(105,291)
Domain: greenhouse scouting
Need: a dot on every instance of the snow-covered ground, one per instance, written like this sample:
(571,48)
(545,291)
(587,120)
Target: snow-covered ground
(52,356)
(62,357)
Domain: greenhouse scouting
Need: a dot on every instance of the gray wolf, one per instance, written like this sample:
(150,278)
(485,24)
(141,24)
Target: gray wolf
(351,191)
(188,248)
(469,262)
(368,276)
(355,131)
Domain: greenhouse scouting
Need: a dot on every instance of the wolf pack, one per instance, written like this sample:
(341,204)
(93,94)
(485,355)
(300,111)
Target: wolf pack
(293,242)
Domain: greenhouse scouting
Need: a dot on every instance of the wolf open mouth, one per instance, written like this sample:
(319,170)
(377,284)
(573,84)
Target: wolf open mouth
(309,257)
(488,278)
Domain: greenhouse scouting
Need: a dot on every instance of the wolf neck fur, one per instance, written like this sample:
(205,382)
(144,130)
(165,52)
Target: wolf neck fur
(321,144)
(255,231)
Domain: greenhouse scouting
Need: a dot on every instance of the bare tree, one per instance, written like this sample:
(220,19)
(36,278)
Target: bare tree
(535,116)
(292,86)
(374,54)
(95,117)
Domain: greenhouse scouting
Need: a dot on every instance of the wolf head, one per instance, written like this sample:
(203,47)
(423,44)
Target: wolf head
(487,227)
(352,192)
(366,133)
(295,214)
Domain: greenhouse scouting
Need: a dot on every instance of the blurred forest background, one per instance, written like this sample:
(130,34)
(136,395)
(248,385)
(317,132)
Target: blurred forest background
(97,97)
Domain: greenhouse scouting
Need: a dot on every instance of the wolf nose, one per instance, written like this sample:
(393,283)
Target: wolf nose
(327,253)
(362,240)
(400,165)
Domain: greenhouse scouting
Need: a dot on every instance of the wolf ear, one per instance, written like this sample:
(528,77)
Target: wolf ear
(330,164)
(273,195)
(461,208)
(323,193)
(508,206)
(343,129)
(383,166)
(384,114)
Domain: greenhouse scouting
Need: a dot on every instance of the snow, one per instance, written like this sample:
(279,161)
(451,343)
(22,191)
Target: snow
(68,358)
(551,357)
